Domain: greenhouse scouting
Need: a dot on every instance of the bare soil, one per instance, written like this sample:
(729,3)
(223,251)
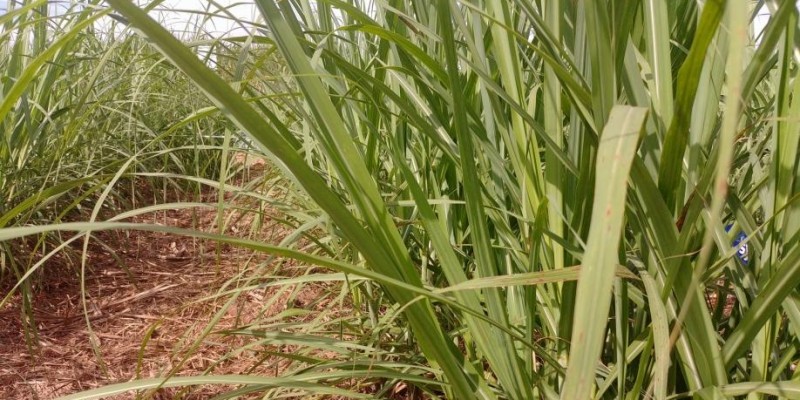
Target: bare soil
(148,298)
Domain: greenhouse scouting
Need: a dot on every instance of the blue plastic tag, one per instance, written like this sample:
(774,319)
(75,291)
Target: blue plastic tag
(743,250)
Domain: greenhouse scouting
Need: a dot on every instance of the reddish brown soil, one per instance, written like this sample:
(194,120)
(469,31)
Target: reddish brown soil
(147,313)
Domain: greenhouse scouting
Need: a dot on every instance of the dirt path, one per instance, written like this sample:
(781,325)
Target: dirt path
(147,319)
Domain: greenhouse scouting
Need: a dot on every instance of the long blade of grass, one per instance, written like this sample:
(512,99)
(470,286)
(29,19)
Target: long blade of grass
(615,156)
(671,169)
(180,381)
(382,247)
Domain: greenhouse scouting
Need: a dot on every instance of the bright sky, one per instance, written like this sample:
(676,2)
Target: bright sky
(241,9)
(176,14)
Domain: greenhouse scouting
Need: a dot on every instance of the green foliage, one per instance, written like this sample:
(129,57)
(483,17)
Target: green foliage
(90,123)
(469,159)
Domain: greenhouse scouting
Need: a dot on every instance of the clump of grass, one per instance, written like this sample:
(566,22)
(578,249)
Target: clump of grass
(540,189)
(92,125)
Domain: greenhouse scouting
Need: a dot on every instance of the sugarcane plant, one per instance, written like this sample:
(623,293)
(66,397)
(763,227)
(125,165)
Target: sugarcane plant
(575,199)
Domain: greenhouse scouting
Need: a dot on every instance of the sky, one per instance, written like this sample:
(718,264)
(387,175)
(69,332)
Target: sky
(177,20)
(217,26)
(241,9)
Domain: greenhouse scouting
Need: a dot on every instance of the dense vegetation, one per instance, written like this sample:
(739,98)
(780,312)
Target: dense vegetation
(524,199)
